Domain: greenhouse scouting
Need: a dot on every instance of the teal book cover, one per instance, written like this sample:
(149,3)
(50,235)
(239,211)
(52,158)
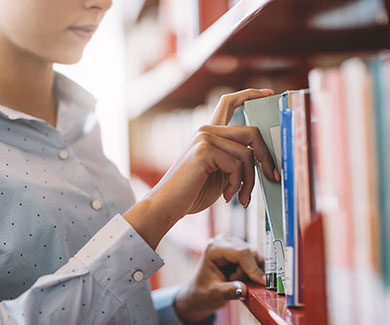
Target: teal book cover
(380,69)
(264,114)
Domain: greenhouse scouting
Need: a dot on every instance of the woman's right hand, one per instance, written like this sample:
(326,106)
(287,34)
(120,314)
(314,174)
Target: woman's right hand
(226,265)
(218,160)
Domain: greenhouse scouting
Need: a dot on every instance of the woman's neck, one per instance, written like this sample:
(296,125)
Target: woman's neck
(26,83)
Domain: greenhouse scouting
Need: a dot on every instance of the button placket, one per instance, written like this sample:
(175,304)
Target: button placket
(96,198)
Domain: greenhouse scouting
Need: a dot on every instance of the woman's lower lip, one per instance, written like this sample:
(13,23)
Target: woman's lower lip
(84,35)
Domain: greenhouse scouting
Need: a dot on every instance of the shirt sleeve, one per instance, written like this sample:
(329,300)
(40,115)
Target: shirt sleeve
(163,301)
(92,286)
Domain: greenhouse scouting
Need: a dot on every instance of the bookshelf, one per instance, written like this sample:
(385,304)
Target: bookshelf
(183,80)
(278,40)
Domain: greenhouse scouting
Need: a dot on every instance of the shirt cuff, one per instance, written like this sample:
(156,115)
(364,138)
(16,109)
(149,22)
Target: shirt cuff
(119,258)
(163,300)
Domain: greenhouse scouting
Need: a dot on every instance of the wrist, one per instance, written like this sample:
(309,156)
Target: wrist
(160,202)
(182,304)
(150,223)
(191,307)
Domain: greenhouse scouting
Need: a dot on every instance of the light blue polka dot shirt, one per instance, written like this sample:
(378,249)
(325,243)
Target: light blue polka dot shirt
(67,256)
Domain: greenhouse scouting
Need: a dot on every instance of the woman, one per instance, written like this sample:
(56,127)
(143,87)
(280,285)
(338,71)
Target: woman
(66,254)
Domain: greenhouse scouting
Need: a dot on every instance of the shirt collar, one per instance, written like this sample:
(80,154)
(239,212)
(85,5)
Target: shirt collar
(68,92)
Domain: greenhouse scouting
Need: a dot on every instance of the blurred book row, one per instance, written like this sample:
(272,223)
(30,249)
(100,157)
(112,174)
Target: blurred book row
(331,145)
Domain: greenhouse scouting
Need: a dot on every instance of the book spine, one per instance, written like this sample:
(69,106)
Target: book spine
(382,146)
(380,69)
(310,150)
(279,245)
(386,178)
(302,184)
(289,197)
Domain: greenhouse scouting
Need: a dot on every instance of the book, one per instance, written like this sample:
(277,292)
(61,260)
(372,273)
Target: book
(264,114)
(303,175)
(288,190)
(380,68)
(383,128)
(385,182)
(332,191)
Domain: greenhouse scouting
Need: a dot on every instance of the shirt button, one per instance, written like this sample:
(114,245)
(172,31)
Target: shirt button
(138,276)
(63,155)
(96,205)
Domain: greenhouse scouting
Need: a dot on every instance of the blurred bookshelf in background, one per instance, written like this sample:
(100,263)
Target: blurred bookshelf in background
(182,58)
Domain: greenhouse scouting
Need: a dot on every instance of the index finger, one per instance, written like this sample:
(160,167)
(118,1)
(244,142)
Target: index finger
(247,262)
(228,103)
(248,136)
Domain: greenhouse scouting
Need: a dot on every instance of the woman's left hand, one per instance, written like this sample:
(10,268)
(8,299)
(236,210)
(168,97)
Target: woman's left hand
(225,264)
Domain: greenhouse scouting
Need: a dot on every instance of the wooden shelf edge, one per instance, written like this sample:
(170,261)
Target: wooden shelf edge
(269,308)
(172,72)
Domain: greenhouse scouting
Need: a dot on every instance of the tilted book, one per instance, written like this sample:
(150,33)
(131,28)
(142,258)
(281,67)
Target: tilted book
(264,114)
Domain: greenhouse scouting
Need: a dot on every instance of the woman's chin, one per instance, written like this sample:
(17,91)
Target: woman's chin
(68,57)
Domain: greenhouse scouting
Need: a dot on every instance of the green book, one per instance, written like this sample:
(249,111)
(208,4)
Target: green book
(264,114)
(380,67)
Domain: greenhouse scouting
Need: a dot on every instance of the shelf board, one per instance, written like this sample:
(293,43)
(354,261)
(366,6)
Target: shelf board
(270,308)
(256,37)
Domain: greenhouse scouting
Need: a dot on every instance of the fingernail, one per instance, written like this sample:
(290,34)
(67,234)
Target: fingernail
(260,279)
(276,175)
(239,294)
(249,201)
(266,90)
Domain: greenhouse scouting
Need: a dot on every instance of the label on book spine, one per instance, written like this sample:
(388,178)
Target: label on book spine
(281,274)
(289,262)
(270,261)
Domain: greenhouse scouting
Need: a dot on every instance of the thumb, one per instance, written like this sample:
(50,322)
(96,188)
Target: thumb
(232,290)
